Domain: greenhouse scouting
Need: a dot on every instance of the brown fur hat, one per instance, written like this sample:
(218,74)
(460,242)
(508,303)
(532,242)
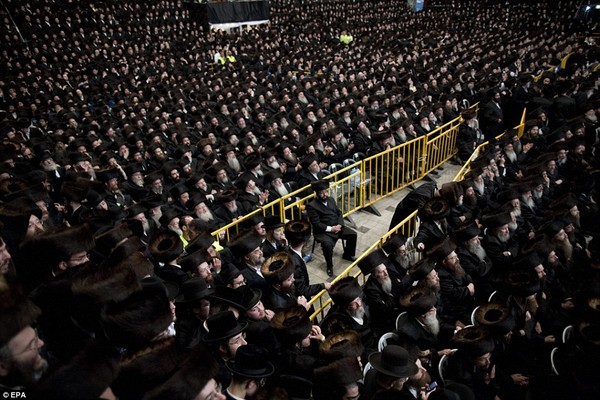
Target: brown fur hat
(17,312)
(277,268)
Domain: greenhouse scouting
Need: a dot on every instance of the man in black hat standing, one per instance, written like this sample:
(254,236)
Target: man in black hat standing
(249,371)
(298,233)
(328,225)
(435,228)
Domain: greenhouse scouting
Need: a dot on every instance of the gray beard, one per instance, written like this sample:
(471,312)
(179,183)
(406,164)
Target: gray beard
(529,203)
(146,226)
(291,158)
(561,161)
(386,284)
(432,324)
(513,226)
(206,217)
(281,190)
(479,187)
(479,251)
(538,194)
(275,165)
(365,131)
(517,211)
(566,247)
(403,261)
(360,313)
(233,208)
(402,137)
(503,237)
(511,155)
(234,164)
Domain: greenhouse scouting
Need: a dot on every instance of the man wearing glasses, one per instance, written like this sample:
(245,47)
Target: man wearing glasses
(21,363)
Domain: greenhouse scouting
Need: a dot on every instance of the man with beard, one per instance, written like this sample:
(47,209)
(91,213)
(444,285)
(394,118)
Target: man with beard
(7,267)
(501,248)
(311,172)
(21,364)
(474,259)
(135,185)
(277,187)
(258,317)
(559,238)
(278,271)
(468,135)
(399,260)
(513,158)
(228,151)
(138,212)
(529,210)
(54,171)
(362,137)
(423,127)
(154,182)
(328,225)
(457,287)
(250,195)
(230,209)
(380,292)
(275,240)
(221,176)
(287,154)
(492,116)
(391,368)
(253,168)
(250,259)
(198,205)
(420,326)
(347,296)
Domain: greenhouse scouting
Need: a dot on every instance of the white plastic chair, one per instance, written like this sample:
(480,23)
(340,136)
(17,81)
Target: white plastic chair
(366,369)
(384,339)
(473,321)
(567,333)
(442,364)
(552,362)
(398,320)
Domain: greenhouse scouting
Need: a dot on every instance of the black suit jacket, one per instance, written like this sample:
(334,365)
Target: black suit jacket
(301,278)
(321,216)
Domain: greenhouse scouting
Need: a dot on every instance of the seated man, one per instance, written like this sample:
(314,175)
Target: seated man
(328,224)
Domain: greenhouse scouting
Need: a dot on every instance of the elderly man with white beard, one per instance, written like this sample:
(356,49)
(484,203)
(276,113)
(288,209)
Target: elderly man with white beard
(198,205)
(501,248)
(347,296)
(474,259)
(380,292)
(421,327)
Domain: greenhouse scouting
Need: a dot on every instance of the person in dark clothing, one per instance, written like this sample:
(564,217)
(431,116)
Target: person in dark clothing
(328,225)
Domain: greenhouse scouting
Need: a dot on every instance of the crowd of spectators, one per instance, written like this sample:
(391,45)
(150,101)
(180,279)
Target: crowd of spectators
(130,133)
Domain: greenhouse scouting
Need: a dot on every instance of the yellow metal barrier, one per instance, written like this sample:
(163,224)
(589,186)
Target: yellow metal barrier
(365,182)
(321,300)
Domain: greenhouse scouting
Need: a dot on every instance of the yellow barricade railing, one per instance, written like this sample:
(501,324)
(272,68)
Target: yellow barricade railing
(408,228)
(365,182)
(321,301)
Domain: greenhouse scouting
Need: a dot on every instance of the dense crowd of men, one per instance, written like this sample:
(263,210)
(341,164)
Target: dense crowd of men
(131,133)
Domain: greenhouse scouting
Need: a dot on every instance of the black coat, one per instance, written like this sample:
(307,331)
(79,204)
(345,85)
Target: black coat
(321,216)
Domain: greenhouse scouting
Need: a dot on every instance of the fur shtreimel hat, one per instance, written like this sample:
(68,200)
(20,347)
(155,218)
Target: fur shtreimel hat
(277,268)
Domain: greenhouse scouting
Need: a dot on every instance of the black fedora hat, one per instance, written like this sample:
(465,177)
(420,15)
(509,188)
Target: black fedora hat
(393,361)
(193,289)
(250,362)
(222,326)
(322,184)
(249,297)
(371,261)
